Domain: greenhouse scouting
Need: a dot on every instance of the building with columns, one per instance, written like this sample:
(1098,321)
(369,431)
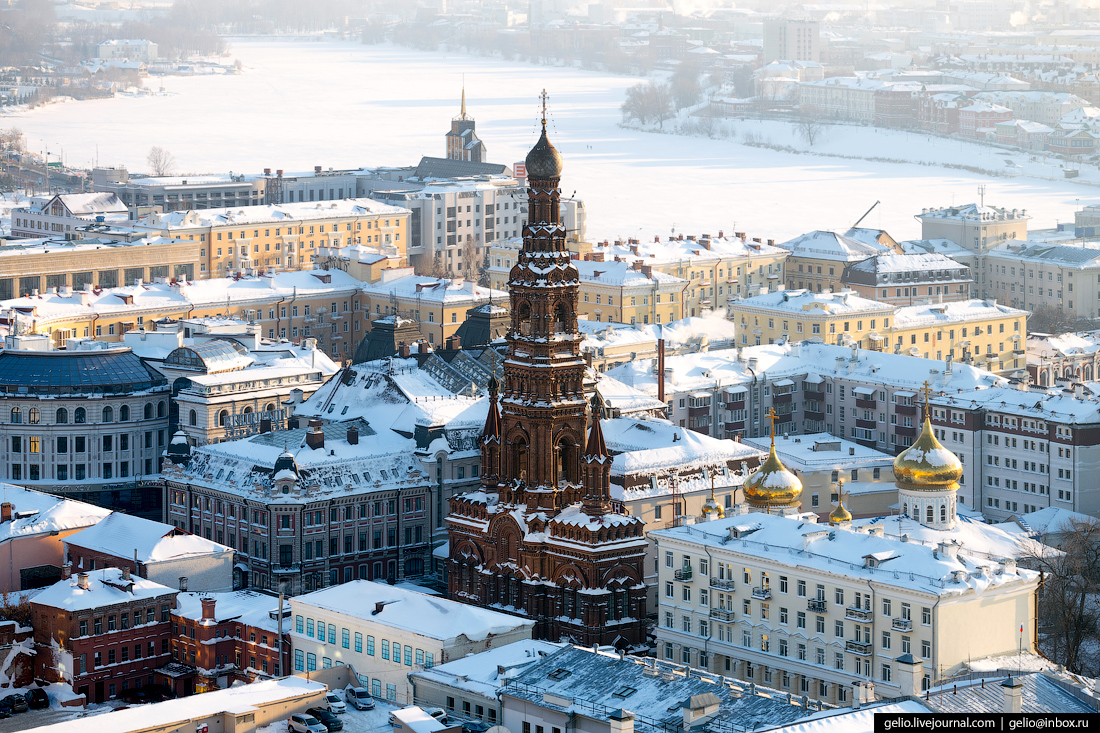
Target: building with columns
(765,594)
(541,539)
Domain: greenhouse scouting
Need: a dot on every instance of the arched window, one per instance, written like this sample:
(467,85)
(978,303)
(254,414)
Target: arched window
(33,417)
(270,407)
(943,513)
(929,515)
(16,415)
(62,416)
(222,417)
(108,414)
(1088,373)
(148,410)
(194,418)
(161,409)
(247,410)
(521,459)
(124,413)
(905,510)
(80,416)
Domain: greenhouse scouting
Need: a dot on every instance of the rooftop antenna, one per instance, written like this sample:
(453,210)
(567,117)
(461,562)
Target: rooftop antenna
(981,195)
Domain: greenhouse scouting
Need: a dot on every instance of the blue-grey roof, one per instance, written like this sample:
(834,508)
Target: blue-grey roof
(112,371)
(1040,694)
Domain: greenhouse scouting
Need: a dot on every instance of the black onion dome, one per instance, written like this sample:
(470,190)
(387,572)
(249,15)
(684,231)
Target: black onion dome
(544,160)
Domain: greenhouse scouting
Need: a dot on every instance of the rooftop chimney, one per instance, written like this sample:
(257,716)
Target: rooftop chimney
(1013,690)
(82,581)
(125,573)
(315,438)
(265,424)
(403,350)
(66,571)
(316,170)
(353,435)
(910,674)
(207,609)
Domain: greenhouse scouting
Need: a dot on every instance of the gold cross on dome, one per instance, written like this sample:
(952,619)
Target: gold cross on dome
(544,97)
(840,492)
(770,414)
(927,389)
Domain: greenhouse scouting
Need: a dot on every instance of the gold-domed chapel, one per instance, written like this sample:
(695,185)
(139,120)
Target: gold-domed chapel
(927,476)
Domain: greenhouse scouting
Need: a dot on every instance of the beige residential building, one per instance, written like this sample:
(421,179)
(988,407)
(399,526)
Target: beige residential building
(975,227)
(818,259)
(1029,276)
(980,332)
(834,318)
(909,279)
(281,236)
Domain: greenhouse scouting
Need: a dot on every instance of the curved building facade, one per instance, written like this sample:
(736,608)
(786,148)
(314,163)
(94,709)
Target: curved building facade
(85,423)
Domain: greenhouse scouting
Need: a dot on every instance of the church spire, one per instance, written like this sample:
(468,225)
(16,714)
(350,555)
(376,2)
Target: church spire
(597,465)
(491,439)
(462,114)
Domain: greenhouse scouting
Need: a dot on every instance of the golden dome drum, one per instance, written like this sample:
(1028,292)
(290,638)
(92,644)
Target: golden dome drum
(772,485)
(927,465)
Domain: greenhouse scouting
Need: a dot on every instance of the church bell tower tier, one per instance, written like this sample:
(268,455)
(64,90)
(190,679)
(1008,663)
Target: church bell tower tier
(927,476)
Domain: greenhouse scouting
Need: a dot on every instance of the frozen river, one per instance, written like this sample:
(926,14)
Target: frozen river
(304,103)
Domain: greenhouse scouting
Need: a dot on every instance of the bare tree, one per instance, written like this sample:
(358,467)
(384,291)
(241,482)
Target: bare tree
(810,128)
(438,270)
(648,102)
(161,161)
(12,139)
(1068,610)
(469,257)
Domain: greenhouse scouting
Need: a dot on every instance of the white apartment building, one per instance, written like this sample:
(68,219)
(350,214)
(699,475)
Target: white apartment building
(1037,106)
(806,608)
(975,227)
(385,632)
(63,215)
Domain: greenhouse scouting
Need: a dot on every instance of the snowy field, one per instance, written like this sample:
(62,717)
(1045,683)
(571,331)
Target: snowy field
(302,103)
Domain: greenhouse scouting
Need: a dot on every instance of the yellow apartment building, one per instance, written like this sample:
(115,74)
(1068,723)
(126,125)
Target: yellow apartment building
(817,259)
(282,236)
(982,332)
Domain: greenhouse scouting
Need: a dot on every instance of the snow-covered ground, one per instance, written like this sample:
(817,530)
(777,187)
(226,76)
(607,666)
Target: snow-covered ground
(303,103)
(355,721)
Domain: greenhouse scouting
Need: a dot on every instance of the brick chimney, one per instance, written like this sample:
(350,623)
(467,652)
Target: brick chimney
(403,350)
(207,609)
(5,511)
(125,573)
(637,265)
(647,270)
(315,438)
(265,424)
(82,581)
(353,435)
(66,571)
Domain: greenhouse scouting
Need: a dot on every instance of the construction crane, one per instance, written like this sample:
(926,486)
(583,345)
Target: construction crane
(865,214)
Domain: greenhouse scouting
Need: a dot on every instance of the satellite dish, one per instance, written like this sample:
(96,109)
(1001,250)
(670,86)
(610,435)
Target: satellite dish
(498,729)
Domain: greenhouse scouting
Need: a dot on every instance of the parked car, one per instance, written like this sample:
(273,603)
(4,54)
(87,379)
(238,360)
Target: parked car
(37,699)
(17,703)
(359,697)
(5,710)
(438,713)
(133,696)
(304,723)
(159,693)
(327,718)
(335,704)
(475,726)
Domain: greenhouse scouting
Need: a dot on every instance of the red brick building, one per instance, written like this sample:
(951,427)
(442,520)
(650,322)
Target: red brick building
(222,638)
(541,539)
(978,118)
(102,632)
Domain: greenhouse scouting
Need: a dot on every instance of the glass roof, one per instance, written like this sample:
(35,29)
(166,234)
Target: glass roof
(216,355)
(117,371)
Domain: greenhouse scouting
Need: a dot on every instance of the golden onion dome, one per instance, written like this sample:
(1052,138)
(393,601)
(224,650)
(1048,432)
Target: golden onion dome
(713,508)
(927,465)
(840,514)
(772,485)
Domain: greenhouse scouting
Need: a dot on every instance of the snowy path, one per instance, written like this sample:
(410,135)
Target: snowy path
(303,103)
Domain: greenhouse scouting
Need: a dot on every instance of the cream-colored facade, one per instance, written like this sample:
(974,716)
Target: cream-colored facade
(281,236)
(818,258)
(982,332)
(708,273)
(1030,275)
(975,227)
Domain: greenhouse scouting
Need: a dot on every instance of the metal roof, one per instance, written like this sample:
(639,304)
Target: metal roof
(112,371)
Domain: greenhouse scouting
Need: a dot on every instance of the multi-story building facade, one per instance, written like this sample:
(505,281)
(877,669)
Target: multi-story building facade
(1063,359)
(979,119)
(840,318)
(62,216)
(102,633)
(785,602)
(222,638)
(975,227)
(909,278)
(818,259)
(546,491)
(861,395)
(179,193)
(387,632)
(279,236)
(87,424)
(1038,106)
(1030,276)
(1023,448)
(711,272)
(798,40)
(351,502)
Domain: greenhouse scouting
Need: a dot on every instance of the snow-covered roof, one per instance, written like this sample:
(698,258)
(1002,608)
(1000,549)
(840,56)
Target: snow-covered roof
(675,249)
(826,245)
(622,274)
(1041,693)
(957,311)
(923,261)
(730,368)
(270,214)
(448,291)
(178,714)
(916,564)
(124,535)
(430,616)
(105,588)
(1034,404)
(91,204)
(945,247)
(973,212)
(1065,344)
(250,607)
(805,302)
(848,720)
(1079,256)
(486,672)
(35,513)
(601,683)
(821,451)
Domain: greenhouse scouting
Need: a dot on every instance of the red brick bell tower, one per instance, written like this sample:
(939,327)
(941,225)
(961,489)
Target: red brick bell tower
(540,538)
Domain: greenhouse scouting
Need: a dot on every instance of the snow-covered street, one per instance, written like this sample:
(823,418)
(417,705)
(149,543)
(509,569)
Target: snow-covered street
(302,103)
(355,721)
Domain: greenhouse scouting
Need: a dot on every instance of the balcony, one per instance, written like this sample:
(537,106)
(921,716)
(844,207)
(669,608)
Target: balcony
(722,615)
(867,424)
(814,396)
(857,647)
(814,415)
(902,624)
(861,402)
(906,430)
(905,409)
(683,573)
(815,605)
(781,399)
(763,594)
(857,614)
(722,584)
